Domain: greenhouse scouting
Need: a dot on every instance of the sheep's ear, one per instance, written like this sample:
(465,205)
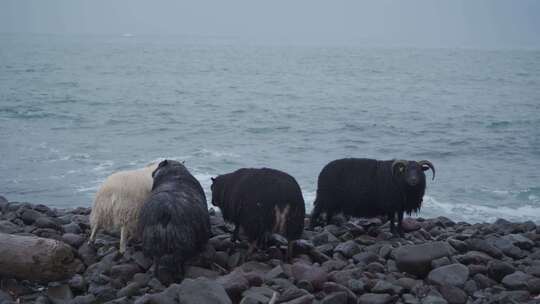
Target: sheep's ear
(183,162)
(163,163)
(213,179)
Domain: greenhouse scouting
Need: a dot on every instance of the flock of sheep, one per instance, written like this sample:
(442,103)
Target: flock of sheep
(165,207)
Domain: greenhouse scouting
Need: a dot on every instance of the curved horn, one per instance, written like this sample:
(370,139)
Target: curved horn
(398,162)
(423,163)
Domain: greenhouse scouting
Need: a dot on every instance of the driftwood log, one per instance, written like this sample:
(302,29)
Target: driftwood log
(36,259)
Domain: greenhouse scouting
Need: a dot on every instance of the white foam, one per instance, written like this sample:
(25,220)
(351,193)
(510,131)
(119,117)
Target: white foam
(478,213)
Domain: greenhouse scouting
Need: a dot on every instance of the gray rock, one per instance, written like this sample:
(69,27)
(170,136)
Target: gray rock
(365,258)
(348,249)
(470,287)
(291,293)
(9,227)
(375,267)
(78,282)
(343,276)
(202,290)
(374,298)
(474,257)
(307,299)
(520,241)
(440,262)
(155,284)
(515,296)
(335,298)
(533,285)
(103,293)
(410,225)
(41,300)
(124,271)
(431,299)
(194,272)
(234,283)
(453,295)
(88,254)
(46,222)
(386,287)
(454,275)
(129,290)
(409,299)
(533,270)
(143,262)
(332,265)
(315,275)
(261,294)
(507,247)
(276,272)
(416,259)
(157,298)
(458,245)
(59,294)
(82,221)
(516,280)
(72,228)
(85,299)
(331,287)
(28,216)
(324,238)
(497,270)
(483,246)
(407,283)
(74,240)
(483,281)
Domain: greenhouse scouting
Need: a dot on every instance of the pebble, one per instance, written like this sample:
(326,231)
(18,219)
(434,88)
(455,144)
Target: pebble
(357,261)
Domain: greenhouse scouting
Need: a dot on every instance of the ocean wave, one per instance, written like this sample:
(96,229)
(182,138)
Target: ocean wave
(478,213)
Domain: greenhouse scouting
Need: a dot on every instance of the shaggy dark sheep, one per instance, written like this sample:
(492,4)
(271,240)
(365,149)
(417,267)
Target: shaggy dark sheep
(368,187)
(261,202)
(175,218)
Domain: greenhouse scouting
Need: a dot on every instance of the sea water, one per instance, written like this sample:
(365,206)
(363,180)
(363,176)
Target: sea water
(75,108)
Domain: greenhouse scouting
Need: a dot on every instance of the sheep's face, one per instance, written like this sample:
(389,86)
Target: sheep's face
(412,172)
(216,189)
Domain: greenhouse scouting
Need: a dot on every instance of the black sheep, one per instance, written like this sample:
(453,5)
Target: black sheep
(175,218)
(368,187)
(260,201)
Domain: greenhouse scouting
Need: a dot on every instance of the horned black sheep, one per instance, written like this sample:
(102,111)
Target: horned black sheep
(368,187)
(175,218)
(260,202)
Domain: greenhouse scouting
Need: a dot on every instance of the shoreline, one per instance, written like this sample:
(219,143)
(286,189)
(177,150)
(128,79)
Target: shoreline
(359,261)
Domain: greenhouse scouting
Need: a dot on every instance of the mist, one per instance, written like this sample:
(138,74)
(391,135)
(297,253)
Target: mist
(343,22)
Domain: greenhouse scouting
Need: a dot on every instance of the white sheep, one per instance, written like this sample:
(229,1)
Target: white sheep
(119,201)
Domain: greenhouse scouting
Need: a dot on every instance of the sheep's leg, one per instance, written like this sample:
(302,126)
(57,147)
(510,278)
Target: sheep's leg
(329,215)
(93,234)
(391,217)
(123,239)
(263,241)
(290,251)
(182,268)
(400,220)
(234,238)
(251,248)
(156,267)
(236,231)
(315,214)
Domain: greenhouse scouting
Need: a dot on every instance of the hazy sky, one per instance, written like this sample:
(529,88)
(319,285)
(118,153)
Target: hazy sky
(480,23)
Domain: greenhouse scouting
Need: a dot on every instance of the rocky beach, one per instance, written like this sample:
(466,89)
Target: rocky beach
(357,261)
